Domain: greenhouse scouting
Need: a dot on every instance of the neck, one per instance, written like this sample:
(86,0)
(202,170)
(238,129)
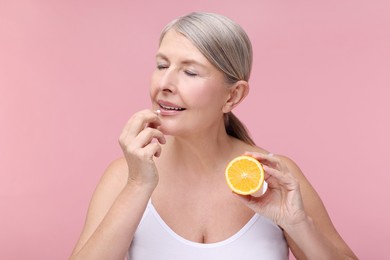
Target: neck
(200,153)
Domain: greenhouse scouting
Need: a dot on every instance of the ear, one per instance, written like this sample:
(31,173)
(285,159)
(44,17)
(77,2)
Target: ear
(236,94)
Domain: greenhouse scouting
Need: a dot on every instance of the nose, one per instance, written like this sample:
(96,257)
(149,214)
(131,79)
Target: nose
(168,80)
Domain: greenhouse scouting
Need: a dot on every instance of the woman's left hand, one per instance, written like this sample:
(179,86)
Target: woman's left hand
(282,202)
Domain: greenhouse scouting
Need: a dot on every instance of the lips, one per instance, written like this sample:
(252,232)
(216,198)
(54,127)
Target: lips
(168,106)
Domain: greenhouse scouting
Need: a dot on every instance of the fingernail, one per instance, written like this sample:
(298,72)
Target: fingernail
(158,111)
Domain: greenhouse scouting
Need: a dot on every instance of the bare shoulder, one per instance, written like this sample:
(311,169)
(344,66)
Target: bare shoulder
(251,148)
(116,172)
(110,185)
(309,195)
(294,169)
(315,208)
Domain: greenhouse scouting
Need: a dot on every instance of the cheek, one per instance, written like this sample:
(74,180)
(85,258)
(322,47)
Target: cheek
(153,88)
(207,96)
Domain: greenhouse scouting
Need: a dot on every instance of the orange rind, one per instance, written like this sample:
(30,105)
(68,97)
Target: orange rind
(245,175)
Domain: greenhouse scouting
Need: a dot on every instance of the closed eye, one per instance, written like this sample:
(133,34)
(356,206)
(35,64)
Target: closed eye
(191,73)
(162,66)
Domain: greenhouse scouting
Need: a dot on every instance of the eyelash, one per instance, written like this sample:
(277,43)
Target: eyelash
(161,66)
(187,72)
(190,73)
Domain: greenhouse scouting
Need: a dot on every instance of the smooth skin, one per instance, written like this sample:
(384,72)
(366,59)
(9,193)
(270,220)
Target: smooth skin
(177,159)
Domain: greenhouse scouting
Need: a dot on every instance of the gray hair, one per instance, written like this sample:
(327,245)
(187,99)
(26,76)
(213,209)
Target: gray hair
(222,41)
(227,46)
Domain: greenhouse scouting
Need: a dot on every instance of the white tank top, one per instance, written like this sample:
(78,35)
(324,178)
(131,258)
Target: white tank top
(259,239)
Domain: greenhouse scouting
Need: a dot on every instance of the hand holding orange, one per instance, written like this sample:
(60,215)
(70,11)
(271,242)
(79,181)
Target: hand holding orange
(245,175)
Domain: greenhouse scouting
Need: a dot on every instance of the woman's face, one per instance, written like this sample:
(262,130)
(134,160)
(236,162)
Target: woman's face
(188,90)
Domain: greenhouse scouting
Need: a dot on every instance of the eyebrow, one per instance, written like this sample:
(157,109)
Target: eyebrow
(185,62)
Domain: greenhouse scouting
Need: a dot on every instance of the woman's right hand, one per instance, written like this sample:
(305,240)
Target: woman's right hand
(141,141)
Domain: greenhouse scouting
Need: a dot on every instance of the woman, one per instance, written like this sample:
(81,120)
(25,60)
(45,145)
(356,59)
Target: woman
(167,197)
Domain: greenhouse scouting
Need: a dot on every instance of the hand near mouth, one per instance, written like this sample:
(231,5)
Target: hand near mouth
(141,141)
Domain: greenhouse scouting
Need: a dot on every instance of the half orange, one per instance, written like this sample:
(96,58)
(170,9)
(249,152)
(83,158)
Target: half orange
(244,175)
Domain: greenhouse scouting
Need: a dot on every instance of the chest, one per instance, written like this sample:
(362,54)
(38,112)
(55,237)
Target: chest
(205,218)
(257,239)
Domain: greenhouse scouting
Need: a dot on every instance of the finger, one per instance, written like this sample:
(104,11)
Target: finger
(154,124)
(132,130)
(139,121)
(273,172)
(283,178)
(267,159)
(143,120)
(153,149)
(157,123)
(147,136)
(132,145)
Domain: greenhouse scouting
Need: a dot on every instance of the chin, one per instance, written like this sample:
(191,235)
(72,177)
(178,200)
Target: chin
(168,131)
(172,129)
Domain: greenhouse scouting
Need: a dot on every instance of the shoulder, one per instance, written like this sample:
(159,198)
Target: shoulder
(311,199)
(244,147)
(115,173)
(307,190)
(292,166)
(111,183)
(117,167)
(315,207)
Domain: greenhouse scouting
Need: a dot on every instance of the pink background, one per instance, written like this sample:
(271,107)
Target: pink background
(72,73)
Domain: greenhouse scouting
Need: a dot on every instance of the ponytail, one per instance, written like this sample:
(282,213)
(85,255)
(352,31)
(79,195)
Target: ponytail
(234,127)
